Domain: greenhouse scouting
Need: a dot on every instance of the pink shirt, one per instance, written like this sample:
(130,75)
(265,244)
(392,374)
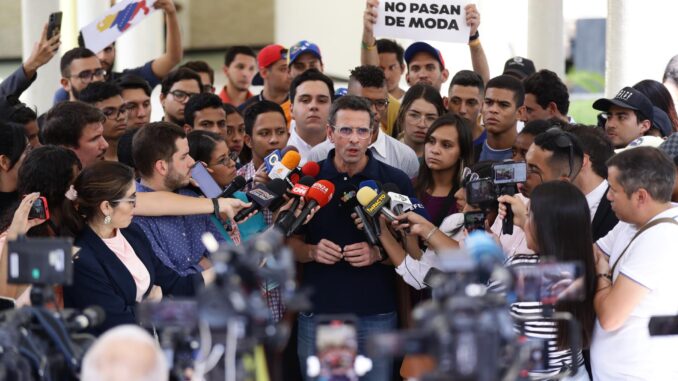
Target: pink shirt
(124,251)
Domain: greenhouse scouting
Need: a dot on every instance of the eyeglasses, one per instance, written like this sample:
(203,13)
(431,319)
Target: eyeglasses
(346,132)
(229,160)
(378,104)
(416,117)
(181,96)
(114,113)
(89,75)
(131,200)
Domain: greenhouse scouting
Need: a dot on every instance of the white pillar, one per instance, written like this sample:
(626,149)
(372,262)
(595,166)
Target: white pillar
(141,43)
(34,15)
(639,40)
(545,35)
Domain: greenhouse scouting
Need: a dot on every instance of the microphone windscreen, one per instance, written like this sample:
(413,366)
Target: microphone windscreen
(390,187)
(277,186)
(288,149)
(365,195)
(371,184)
(291,159)
(95,314)
(321,192)
(238,182)
(311,168)
(307,180)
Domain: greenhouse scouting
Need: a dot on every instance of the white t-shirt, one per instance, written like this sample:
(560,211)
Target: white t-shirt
(629,353)
(515,243)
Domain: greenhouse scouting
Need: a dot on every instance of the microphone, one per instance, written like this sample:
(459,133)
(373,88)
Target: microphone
(349,198)
(419,208)
(374,203)
(371,184)
(319,194)
(283,167)
(263,196)
(271,159)
(237,184)
(311,168)
(288,149)
(399,202)
(299,191)
(91,316)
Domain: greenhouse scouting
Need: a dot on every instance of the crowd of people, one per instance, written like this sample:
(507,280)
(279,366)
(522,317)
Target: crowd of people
(120,185)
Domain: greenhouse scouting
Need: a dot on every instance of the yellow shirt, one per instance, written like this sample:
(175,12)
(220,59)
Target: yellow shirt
(391,114)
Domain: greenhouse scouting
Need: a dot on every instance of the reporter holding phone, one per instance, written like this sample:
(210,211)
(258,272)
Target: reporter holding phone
(557,226)
(116,266)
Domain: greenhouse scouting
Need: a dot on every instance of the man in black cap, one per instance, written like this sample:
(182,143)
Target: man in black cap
(628,116)
(519,67)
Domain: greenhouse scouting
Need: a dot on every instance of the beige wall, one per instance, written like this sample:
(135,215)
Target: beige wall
(219,23)
(10,28)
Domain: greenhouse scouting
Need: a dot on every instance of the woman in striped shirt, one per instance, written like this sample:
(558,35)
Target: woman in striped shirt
(557,227)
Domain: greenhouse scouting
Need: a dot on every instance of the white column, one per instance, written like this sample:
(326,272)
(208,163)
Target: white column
(141,43)
(545,35)
(34,15)
(636,33)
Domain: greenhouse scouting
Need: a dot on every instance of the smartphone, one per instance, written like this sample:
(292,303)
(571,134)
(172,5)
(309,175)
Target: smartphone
(549,283)
(474,221)
(337,347)
(206,182)
(54,24)
(39,209)
(169,313)
(510,172)
(45,261)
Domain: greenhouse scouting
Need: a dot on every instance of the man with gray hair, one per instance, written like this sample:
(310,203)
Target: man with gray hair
(125,353)
(635,266)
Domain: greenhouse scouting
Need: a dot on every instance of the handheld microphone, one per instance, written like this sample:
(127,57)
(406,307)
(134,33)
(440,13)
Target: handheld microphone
(371,184)
(271,159)
(399,202)
(288,149)
(237,184)
(299,191)
(349,198)
(374,203)
(91,316)
(419,208)
(319,194)
(283,167)
(263,197)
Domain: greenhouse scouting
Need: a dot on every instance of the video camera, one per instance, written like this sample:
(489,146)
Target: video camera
(37,343)
(466,330)
(504,181)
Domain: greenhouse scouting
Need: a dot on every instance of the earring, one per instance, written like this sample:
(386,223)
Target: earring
(107,220)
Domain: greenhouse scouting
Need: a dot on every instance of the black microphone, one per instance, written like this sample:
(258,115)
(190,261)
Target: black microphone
(298,191)
(237,184)
(91,316)
(319,194)
(263,197)
(349,198)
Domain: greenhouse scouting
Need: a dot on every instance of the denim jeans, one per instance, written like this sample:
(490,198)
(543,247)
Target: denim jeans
(367,325)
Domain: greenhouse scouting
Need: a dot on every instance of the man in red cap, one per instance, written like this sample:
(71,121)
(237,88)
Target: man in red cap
(272,62)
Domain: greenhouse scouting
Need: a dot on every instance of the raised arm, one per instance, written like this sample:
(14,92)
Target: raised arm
(368,46)
(173,50)
(478,58)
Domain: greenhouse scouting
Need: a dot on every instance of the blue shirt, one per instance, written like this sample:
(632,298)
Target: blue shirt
(342,288)
(176,240)
(488,153)
(145,72)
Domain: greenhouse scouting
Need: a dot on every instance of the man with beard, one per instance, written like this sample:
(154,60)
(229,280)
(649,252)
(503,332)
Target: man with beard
(78,127)
(161,156)
(79,68)
(107,98)
(177,88)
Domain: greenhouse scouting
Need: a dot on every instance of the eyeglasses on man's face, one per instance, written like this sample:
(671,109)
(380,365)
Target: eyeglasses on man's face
(347,132)
(89,75)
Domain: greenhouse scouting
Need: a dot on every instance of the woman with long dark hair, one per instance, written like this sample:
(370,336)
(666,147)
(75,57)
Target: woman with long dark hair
(557,228)
(448,149)
(13,148)
(659,95)
(115,267)
(420,107)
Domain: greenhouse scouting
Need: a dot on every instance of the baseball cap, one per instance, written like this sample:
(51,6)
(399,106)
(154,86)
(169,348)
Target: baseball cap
(629,98)
(519,67)
(302,47)
(419,47)
(340,92)
(267,56)
(670,146)
(643,141)
(661,121)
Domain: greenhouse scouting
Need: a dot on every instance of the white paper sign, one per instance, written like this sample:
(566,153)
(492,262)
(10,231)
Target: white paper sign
(105,29)
(437,20)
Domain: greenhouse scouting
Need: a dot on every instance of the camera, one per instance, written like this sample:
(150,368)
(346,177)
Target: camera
(40,261)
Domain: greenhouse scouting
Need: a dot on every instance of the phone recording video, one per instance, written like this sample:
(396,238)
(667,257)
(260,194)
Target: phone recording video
(474,221)
(510,173)
(39,209)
